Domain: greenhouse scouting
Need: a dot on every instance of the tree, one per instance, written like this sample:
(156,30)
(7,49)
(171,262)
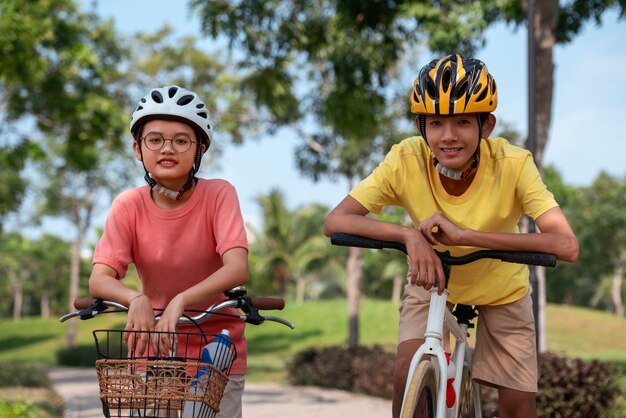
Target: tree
(291,246)
(332,63)
(600,217)
(555,24)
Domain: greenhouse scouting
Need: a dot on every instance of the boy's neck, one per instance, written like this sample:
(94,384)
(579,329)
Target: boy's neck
(456,187)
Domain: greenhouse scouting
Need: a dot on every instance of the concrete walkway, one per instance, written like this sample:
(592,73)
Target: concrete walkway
(79,388)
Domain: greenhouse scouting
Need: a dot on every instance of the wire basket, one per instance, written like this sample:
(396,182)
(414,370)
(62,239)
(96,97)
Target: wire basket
(153,384)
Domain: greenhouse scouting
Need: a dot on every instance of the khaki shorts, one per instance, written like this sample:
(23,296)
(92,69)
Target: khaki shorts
(505,353)
(230,407)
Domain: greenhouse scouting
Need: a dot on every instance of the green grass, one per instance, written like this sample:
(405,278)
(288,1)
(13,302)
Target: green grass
(573,331)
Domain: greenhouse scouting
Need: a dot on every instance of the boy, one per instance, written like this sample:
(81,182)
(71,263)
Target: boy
(462,191)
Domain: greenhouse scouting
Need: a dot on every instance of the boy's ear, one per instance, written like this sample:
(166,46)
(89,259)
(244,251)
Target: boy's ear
(489,125)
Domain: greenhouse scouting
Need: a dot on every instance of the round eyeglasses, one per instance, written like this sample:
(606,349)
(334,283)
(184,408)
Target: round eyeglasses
(155,142)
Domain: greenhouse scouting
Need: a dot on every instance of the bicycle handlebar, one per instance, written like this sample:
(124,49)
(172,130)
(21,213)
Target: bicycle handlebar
(264,303)
(88,307)
(520,257)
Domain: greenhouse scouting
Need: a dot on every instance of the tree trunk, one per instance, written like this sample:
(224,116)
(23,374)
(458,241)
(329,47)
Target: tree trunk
(72,326)
(541,298)
(396,292)
(544,39)
(355,272)
(45,304)
(546,15)
(18,300)
(616,288)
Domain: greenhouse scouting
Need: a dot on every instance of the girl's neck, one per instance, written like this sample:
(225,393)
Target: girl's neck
(166,198)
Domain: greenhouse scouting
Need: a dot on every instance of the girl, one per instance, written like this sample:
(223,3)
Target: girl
(185,235)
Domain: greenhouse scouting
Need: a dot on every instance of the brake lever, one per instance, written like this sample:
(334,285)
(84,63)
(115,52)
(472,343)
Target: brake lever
(280,321)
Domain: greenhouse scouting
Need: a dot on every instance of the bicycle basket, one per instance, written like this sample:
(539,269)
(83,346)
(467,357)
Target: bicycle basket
(152,384)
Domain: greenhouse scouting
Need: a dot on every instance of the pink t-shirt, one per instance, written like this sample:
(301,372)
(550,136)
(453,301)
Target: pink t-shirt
(175,249)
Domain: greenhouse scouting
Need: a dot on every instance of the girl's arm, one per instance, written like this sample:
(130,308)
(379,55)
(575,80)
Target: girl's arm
(233,273)
(349,217)
(103,284)
(556,236)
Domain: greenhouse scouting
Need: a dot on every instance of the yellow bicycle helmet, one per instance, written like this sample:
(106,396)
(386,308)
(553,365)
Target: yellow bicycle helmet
(454,85)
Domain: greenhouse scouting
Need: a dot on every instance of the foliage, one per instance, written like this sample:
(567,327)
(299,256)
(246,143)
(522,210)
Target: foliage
(77,356)
(570,387)
(348,53)
(290,247)
(27,375)
(367,370)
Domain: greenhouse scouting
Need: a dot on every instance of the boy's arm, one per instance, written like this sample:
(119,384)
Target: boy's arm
(349,217)
(556,236)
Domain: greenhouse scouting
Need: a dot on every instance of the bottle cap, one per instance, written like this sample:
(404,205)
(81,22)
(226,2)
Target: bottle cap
(225,332)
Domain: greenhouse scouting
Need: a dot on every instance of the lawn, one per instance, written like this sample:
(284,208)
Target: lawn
(572,331)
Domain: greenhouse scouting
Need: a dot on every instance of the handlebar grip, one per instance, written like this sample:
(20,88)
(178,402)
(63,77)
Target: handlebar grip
(82,303)
(348,240)
(268,304)
(533,259)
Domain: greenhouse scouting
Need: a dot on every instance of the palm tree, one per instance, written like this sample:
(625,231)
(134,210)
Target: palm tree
(292,246)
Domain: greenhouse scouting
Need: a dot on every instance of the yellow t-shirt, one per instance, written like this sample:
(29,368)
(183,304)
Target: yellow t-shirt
(507,185)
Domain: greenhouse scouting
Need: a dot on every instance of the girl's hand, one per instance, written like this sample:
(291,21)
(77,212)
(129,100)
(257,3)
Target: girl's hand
(424,266)
(168,323)
(447,232)
(140,318)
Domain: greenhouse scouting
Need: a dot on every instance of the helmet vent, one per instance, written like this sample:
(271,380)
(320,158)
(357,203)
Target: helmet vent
(185,100)
(200,105)
(482,96)
(445,79)
(416,97)
(203,114)
(157,97)
(430,88)
(460,89)
(139,108)
(172,91)
(143,100)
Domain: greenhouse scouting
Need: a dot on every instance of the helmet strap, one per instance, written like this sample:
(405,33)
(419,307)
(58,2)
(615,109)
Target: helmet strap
(172,194)
(458,174)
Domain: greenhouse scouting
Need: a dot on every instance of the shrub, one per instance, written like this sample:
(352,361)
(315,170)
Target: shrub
(573,388)
(17,374)
(568,388)
(78,356)
(364,370)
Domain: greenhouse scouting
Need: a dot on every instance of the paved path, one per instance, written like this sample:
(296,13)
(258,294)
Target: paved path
(79,388)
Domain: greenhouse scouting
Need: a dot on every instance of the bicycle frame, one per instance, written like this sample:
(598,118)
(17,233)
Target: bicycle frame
(438,315)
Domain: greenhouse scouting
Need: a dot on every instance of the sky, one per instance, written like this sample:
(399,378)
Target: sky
(586,135)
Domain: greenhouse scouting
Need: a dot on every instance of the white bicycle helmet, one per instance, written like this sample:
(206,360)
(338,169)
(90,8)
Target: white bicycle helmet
(179,104)
(173,103)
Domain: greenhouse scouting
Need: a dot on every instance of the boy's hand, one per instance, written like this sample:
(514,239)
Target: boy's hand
(447,232)
(424,265)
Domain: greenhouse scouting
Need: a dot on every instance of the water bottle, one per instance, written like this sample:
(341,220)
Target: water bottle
(218,353)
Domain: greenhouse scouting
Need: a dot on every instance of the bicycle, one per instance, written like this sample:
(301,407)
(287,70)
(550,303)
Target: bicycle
(425,391)
(173,380)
